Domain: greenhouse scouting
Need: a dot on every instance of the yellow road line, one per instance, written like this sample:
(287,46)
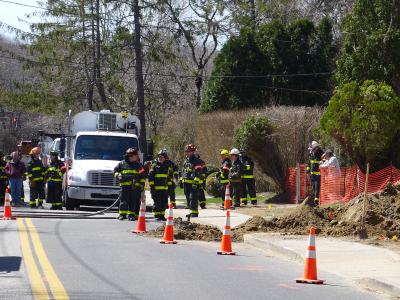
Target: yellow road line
(56,287)
(39,289)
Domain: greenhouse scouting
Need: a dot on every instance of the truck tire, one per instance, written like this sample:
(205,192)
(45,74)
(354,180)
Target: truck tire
(69,203)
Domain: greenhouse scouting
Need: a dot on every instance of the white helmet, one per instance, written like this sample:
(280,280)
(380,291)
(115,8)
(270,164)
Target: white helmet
(314,144)
(234,151)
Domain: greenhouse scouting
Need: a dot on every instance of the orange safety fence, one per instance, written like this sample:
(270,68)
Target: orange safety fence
(339,185)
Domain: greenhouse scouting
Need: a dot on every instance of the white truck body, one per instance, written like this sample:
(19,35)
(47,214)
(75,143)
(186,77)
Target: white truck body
(96,142)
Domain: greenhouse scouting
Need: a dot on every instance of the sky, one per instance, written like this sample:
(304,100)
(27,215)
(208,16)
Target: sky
(10,13)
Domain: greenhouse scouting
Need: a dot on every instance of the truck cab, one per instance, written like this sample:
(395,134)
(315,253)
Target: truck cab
(92,155)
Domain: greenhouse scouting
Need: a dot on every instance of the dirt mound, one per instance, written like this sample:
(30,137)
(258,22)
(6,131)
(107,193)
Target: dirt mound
(382,219)
(184,230)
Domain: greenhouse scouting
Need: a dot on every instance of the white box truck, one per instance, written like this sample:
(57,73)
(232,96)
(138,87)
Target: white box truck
(95,143)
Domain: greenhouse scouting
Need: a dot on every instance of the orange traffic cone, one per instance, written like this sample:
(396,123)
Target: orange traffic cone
(7,207)
(310,268)
(141,223)
(169,227)
(228,201)
(226,242)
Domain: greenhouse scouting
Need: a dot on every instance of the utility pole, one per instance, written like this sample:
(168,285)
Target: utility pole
(139,78)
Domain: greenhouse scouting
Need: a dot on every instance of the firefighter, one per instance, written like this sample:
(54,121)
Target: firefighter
(202,195)
(19,151)
(131,175)
(36,172)
(158,181)
(223,174)
(313,169)
(3,179)
(173,175)
(192,179)
(235,176)
(248,181)
(54,175)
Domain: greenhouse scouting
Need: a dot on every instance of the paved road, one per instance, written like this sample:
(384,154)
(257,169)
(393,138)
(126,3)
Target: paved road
(102,259)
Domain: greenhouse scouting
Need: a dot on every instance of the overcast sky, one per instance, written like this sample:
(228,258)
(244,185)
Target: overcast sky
(10,13)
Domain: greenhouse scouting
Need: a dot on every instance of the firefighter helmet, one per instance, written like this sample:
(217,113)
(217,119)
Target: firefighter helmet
(163,152)
(234,151)
(35,151)
(54,153)
(190,148)
(131,151)
(224,152)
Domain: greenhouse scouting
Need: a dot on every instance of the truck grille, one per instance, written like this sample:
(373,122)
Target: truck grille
(101,178)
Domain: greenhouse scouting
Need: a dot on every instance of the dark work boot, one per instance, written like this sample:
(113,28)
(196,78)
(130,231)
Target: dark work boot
(121,217)
(244,202)
(203,205)
(254,202)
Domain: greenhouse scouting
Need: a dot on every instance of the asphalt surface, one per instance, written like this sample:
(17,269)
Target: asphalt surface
(102,259)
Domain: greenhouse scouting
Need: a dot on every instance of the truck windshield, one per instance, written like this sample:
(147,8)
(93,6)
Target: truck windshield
(103,147)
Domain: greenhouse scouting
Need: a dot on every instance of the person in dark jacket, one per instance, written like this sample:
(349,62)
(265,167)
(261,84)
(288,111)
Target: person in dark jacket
(313,169)
(192,179)
(158,181)
(235,176)
(131,175)
(36,173)
(15,170)
(248,181)
(223,174)
(3,179)
(54,174)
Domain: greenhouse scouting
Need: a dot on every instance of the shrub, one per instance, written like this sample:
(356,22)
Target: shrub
(257,135)
(211,169)
(365,121)
(213,187)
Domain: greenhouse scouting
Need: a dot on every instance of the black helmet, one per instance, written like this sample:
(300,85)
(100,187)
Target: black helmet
(131,151)
(53,152)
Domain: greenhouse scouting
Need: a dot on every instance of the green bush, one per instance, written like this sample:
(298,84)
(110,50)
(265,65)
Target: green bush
(213,187)
(257,134)
(365,121)
(211,169)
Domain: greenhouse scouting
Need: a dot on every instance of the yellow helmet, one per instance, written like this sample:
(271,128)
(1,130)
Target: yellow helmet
(225,152)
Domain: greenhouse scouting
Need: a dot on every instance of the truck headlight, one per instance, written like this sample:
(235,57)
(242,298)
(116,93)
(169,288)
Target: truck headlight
(74,178)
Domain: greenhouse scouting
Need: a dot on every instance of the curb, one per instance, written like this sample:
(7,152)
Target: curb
(367,283)
(379,286)
(281,251)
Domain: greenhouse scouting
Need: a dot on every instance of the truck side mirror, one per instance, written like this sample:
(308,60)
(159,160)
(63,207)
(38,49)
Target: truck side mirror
(150,150)
(62,146)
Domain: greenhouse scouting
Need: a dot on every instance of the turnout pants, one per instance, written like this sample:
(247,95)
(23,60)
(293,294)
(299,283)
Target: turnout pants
(236,193)
(54,194)
(316,184)
(3,186)
(202,198)
(129,204)
(171,193)
(160,198)
(192,198)
(37,193)
(249,188)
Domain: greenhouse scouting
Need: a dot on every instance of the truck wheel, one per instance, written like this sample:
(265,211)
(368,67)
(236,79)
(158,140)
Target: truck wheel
(69,203)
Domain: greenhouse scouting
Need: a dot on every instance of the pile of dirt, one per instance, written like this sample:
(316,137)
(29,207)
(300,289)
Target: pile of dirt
(382,218)
(382,221)
(184,230)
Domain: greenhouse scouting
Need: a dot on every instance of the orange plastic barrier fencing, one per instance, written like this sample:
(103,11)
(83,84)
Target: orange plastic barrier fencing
(340,185)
